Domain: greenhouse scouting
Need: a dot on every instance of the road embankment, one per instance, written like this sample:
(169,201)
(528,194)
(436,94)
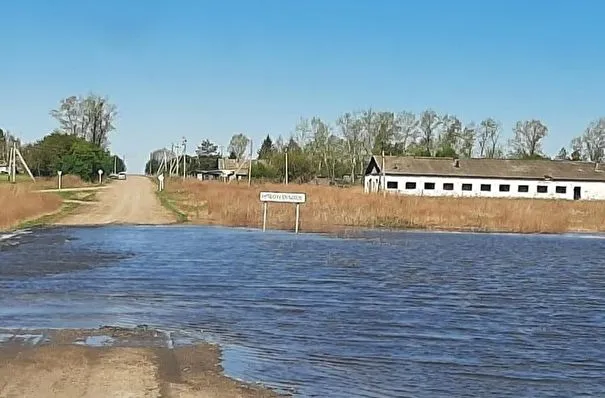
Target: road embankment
(112,362)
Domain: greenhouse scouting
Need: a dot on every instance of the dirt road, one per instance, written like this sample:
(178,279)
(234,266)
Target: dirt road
(45,364)
(131,201)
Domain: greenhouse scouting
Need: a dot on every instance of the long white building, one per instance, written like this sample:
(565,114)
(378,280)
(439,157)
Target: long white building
(496,178)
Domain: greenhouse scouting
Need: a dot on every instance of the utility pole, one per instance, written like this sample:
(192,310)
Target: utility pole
(250,165)
(171,160)
(115,164)
(384,188)
(286,166)
(178,161)
(184,158)
(11,165)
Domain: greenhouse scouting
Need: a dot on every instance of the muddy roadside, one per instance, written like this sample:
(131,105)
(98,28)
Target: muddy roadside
(113,362)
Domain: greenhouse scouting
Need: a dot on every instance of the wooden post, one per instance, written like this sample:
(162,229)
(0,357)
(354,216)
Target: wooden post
(250,166)
(25,166)
(286,166)
(14,162)
(264,216)
(10,165)
(297,216)
(384,187)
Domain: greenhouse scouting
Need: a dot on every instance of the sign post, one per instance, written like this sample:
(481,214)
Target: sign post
(264,215)
(59,173)
(282,197)
(100,175)
(161,179)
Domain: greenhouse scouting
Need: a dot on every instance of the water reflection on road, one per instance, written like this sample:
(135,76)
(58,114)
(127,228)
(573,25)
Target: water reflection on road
(381,314)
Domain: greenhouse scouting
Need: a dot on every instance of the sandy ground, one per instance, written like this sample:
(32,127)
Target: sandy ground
(130,201)
(40,364)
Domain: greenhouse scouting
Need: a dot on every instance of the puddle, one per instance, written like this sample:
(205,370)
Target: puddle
(96,341)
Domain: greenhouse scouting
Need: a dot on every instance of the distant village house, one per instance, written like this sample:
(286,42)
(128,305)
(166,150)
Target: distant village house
(496,178)
(228,169)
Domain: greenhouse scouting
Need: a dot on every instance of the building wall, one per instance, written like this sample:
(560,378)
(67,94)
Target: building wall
(397,184)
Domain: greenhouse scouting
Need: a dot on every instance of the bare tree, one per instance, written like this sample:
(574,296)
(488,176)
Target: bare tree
(386,131)
(351,132)
(91,118)
(238,144)
(279,144)
(488,135)
(303,132)
(466,142)
(429,122)
(367,120)
(319,143)
(527,139)
(407,127)
(591,144)
(450,135)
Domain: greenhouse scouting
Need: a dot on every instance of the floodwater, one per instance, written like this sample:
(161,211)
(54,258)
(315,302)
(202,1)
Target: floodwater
(383,314)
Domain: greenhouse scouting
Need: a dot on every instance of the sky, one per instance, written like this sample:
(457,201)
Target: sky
(210,69)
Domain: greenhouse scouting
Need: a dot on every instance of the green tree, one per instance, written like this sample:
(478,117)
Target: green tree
(207,148)
(266,148)
(85,159)
(238,145)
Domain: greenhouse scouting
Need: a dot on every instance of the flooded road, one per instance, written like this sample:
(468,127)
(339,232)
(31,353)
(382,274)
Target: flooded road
(378,315)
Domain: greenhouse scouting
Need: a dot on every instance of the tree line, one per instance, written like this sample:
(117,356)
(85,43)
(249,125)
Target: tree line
(342,148)
(79,144)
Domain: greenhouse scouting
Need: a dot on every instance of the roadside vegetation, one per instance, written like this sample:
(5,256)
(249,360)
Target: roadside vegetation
(339,150)
(331,209)
(78,147)
(19,203)
(23,206)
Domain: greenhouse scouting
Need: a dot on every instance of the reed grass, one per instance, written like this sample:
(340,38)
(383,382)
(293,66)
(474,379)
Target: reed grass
(331,208)
(20,203)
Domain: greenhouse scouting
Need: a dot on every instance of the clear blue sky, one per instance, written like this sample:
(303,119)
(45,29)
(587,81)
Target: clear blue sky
(205,69)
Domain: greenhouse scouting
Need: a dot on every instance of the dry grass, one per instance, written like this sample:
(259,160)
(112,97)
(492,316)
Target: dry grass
(18,203)
(330,208)
(67,181)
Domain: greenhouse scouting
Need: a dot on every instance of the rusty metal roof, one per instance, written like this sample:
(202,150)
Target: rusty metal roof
(489,168)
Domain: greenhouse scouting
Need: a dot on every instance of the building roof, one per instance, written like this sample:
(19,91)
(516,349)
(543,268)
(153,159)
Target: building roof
(488,168)
(233,164)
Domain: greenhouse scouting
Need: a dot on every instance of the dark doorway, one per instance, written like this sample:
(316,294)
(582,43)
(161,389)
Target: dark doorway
(576,193)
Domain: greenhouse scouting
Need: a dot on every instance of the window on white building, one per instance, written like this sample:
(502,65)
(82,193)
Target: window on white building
(429,185)
(504,188)
(448,186)
(392,184)
(542,189)
(486,187)
(561,189)
(410,185)
(523,188)
(467,187)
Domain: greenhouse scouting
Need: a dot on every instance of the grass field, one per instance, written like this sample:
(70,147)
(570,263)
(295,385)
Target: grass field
(20,203)
(330,208)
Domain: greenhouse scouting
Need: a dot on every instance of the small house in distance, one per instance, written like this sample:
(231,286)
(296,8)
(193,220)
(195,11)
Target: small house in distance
(228,169)
(495,178)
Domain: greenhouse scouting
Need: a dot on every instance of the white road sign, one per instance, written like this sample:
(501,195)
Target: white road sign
(283,197)
(161,177)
